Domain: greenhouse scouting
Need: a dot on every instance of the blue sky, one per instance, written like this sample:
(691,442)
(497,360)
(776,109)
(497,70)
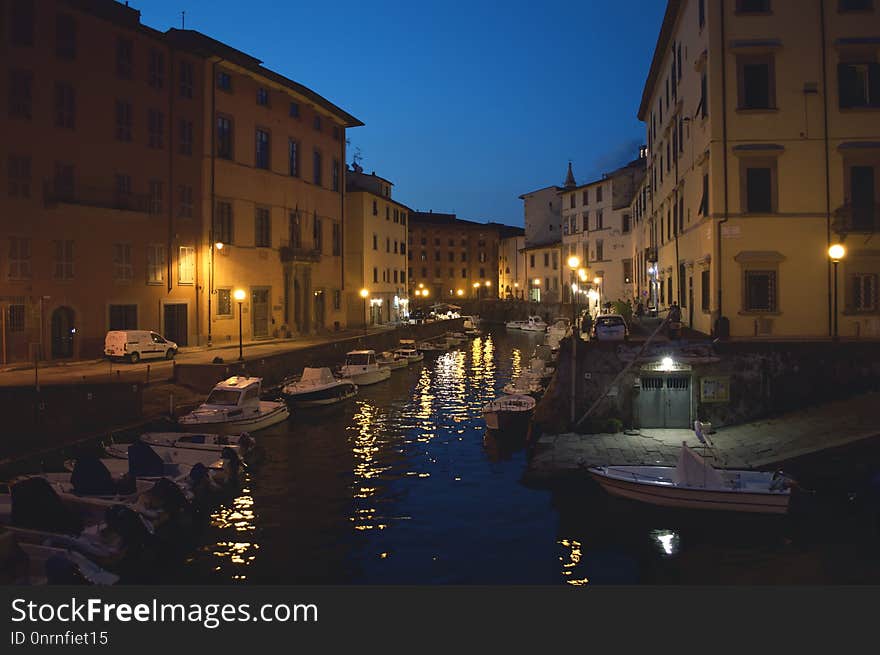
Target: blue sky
(467,105)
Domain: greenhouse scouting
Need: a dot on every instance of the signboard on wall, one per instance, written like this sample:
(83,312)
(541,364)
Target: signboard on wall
(715,389)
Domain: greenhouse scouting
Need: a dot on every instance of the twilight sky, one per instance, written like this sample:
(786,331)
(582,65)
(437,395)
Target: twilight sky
(467,105)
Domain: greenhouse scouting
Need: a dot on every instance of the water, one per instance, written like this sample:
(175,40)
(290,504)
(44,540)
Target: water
(398,487)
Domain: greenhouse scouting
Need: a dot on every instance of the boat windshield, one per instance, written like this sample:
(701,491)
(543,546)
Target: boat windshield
(223,397)
(358,360)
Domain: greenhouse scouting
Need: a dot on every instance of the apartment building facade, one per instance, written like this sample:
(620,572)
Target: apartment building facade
(100,154)
(512,279)
(762,119)
(452,258)
(375,250)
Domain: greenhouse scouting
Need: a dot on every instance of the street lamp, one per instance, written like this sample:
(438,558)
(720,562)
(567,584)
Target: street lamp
(836,252)
(365,294)
(459,292)
(574,263)
(239,296)
(598,282)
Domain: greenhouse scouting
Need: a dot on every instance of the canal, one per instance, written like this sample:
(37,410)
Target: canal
(401,486)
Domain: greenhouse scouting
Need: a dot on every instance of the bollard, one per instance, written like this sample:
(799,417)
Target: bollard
(148,374)
(171,405)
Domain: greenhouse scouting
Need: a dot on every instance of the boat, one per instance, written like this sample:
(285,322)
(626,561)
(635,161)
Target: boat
(362,368)
(431,347)
(524,385)
(234,406)
(693,483)
(40,564)
(557,331)
(469,326)
(408,349)
(509,412)
(243,443)
(514,325)
(317,387)
(461,337)
(392,361)
(534,324)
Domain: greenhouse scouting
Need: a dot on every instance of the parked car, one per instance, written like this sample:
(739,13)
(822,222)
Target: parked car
(610,327)
(135,345)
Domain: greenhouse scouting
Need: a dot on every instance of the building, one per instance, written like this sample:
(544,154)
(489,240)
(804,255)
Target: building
(274,196)
(543,218)
(597,228)
(542,253)
(452,258)
(761,119)
(375,250)
(544,271)
(512,279)
(101,215)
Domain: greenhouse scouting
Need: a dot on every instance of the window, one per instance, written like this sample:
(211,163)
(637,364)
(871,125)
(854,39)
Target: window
(752,6)
(859,85)
(375,242)
(263,97)
(15,318)
(598,194)
(600,252)
(186,265)
(19,174)
(760,288)
(586,221)
(627,221)
(436,255)
(261,154)
(123,120)
(759,190)
(705,290)
(155,197)
(376,213)
(864,292)
(65,36)
(19,258)
(464,274)
(224,137)
(123,189)
(318,234)
(862,197)
(572,201)
(756,82)
(586,197)
(63,181)
(123,271)
(123,317)
(855,5)
(224,81)
(63,259)
(388,218)
(294,227)
(186,137)
(186,201)
(337,240)
(223,223)
(155,264)
(704,100)
(157,69)
(335,173)
(155,128)
(546,259)
(20,94)
(224,302)
(702,13)
(375,274)
(388,246)
(262,227)
(21,23)
(124,58)
(316,167)
(186,78)
(555,261)
(704,200)
(627,271)
(293,158)
(294,110)
(317,123)
(531,261)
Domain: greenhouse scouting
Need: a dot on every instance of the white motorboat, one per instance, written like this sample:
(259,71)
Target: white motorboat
(317,387)
(436,346)
(234,406)
(362,368)
(539,370)
(557,331)
(693,483)
(514,325)
(534,324)
(242,443)
(392,361)
(408,349)
(509,412)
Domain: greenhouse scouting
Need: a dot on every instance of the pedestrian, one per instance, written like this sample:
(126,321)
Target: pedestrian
(587,324)
(674,321)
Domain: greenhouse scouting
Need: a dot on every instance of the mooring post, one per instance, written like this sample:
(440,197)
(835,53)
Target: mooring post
(148,374)
(171,405)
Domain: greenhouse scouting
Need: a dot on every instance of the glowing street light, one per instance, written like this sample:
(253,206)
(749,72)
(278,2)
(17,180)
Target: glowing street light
(365,293)
(460,292)
(836,252)
(239,295)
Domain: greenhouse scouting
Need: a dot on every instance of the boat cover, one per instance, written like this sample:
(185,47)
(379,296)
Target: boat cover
(91,478)
(143,461)
(35,505)
(316,377)
(694,471)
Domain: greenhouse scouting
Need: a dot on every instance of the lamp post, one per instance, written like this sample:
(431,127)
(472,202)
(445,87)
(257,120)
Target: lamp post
(476,290)
(537,282)
(214,246)
(365,294)
(598,282)
(574,263)
(836,252)
(239,296)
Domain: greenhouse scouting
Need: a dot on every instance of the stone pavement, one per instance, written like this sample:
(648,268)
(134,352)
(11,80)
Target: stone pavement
(752,445)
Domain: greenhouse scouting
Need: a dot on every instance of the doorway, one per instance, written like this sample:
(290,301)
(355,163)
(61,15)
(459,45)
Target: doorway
(63,329)
(665,401)
(260,309)
(175,324)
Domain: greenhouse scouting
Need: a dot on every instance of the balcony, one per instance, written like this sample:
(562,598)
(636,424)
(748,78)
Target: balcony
(859,219)
(299,254)
(651,254)
(54,194)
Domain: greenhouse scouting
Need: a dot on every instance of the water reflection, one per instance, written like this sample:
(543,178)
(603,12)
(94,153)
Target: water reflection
(236,549)
(571,560)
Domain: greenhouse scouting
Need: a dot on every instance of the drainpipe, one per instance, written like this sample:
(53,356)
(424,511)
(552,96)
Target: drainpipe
(827,155)
(724,145)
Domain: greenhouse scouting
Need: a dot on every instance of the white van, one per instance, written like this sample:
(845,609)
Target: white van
(136,344)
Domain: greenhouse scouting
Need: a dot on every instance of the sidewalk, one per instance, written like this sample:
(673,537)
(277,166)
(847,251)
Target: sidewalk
(758,444)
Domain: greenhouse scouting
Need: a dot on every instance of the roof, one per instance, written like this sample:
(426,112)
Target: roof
(203,45)
(238,382)
(672,7)
(509,231)
(530,193)
(635,163)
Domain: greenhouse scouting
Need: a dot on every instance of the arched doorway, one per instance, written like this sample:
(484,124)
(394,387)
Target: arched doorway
(63,329)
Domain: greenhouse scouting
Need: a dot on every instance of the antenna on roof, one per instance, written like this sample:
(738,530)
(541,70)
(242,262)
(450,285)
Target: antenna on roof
(183,20)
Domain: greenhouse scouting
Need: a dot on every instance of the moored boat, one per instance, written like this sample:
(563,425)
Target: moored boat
(242,443)
(693,483)
(509,412)
(362,369)
(408,349)
(234,406)
(533,324)
(318,387)
(392,360)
